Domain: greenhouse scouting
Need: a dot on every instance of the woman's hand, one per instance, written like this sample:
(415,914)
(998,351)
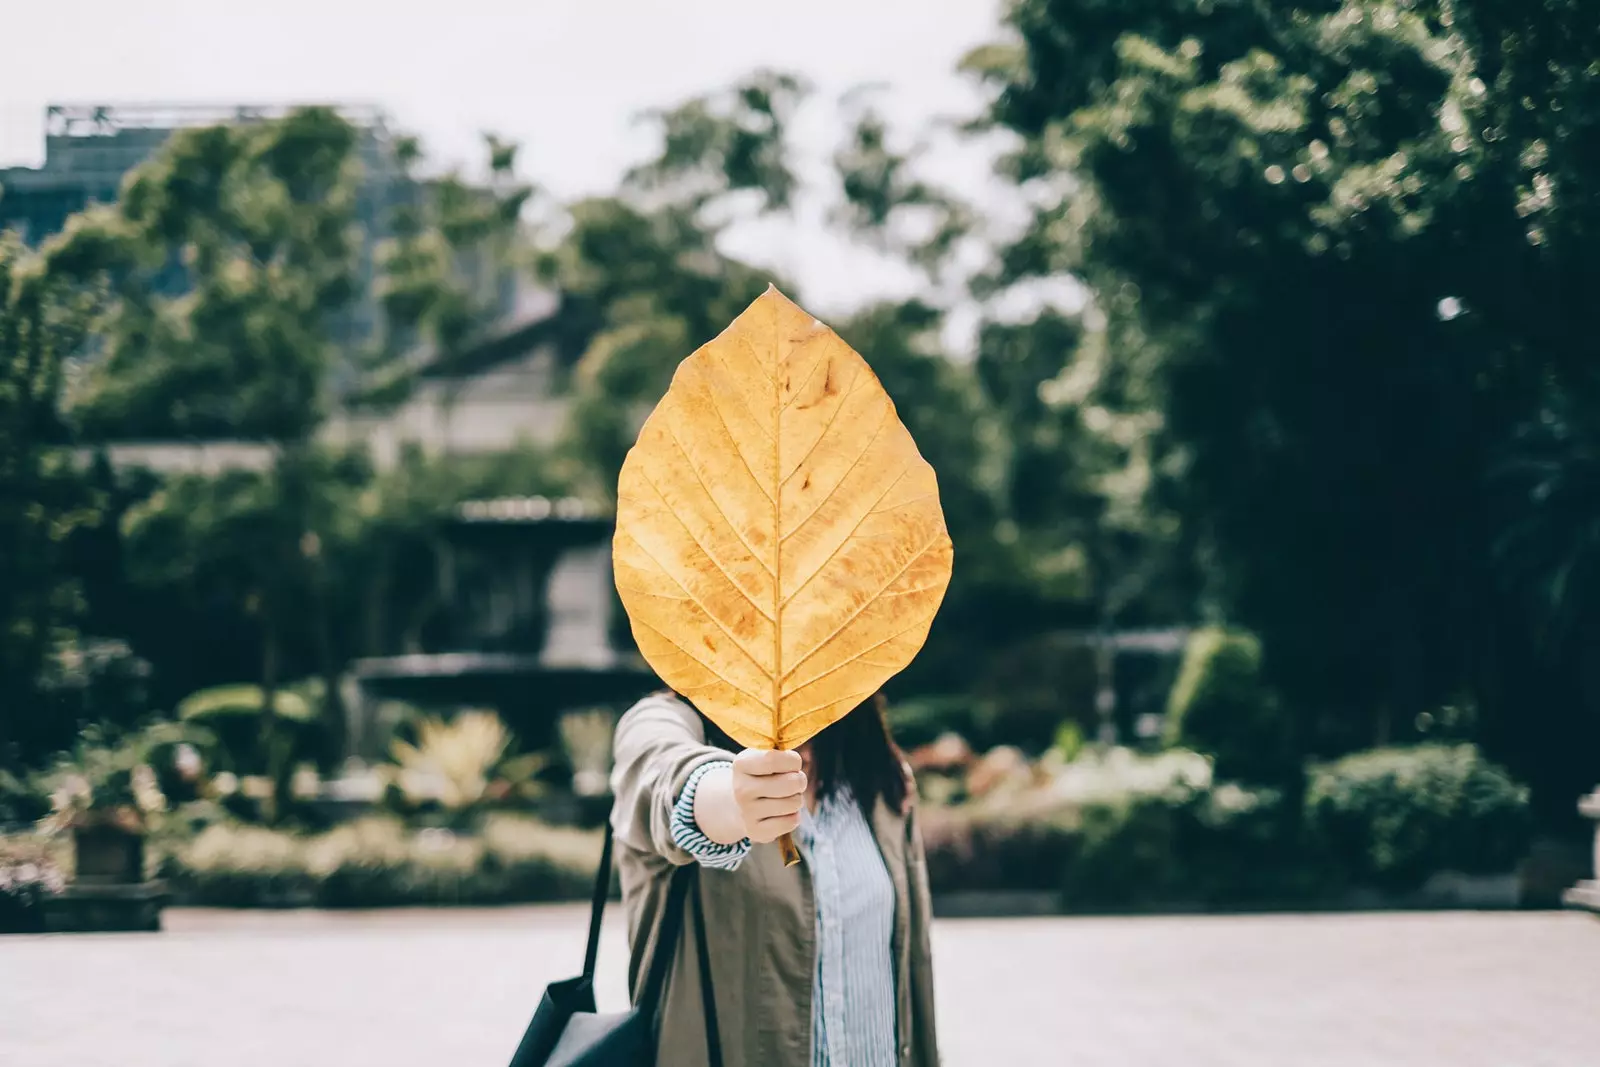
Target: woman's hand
(759,797)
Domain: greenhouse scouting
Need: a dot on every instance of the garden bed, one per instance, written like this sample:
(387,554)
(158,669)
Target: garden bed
(380,862)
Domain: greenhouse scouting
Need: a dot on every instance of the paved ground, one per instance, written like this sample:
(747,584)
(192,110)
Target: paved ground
(452,989)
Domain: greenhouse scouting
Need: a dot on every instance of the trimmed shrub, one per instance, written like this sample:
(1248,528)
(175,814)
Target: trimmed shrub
(1219,705)
(1127,832)
(378,862)
(1391,817)
(241,866)
(968,851)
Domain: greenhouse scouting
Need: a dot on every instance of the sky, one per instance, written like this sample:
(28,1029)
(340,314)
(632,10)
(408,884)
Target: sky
(565,78)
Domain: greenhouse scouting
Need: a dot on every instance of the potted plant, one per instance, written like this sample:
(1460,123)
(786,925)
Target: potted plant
(106,796)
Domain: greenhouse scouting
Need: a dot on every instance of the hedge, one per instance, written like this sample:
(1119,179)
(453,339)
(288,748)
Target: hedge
(379,862)
(1391,817)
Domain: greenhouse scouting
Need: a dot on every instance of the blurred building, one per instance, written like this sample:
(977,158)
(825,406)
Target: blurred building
(90,148)
(498,391)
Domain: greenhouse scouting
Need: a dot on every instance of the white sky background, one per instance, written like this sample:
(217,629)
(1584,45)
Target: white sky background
(565,78)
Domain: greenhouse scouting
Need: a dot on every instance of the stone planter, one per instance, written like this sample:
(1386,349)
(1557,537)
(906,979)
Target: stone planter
(1586,894)
(108,890)
(106,908)
(107,855)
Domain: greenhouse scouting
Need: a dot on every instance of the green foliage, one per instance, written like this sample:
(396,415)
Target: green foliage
(1128,833)
(261,218)
(1392,816)
(642,286)
(463,764)
(1030,685)
(108,779)
(1290,213)
(376,862)
(218,702)
(967,853)
(1069,741)
(918,721)
(42,500)
(244,740)
(1547,552)
(1220,705)
(981,723)
(21,801)
(448,267)
(731,141)
(884,202)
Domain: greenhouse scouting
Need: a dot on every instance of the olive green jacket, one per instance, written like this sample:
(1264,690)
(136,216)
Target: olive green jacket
(761,918)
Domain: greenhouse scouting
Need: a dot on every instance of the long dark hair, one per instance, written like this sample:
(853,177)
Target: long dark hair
(858,751)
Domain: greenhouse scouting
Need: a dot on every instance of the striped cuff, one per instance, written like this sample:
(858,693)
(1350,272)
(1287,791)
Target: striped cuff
(686,832)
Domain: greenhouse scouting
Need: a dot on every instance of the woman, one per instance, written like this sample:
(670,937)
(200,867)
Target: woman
(823,964)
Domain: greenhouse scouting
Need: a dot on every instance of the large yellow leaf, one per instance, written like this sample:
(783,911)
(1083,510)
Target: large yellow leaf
(779,549)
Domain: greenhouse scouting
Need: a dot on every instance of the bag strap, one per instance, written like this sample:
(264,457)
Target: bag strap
(597,905)
(708,999)
(683,880)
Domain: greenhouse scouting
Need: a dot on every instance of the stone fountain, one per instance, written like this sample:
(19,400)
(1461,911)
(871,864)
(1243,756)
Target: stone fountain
(530,630)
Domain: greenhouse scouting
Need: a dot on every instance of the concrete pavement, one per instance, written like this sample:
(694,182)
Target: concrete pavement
(454,988)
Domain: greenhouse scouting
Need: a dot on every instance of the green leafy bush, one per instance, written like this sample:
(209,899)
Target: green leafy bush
(922,720)
(1033,685)
(1130,812)
(22,802)
(232,716)
(968,851)
(1220,705)
(379,862)
(1125,831)
(1390,817)
(109,778)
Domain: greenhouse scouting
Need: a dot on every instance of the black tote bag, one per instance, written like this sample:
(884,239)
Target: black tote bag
(567,1031)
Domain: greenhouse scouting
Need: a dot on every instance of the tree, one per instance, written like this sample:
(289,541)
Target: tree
(642,279)
(884,202)
(253,226)
(449,268)
(733,141)
(42,498)
(232,267)
(1330,239)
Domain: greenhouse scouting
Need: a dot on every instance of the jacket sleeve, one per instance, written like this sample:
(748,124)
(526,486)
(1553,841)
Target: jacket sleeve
(927,1038)
(658,744)
(687,835)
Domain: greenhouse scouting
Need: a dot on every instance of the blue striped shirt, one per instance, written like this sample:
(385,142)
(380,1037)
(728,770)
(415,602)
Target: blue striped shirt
(852,996)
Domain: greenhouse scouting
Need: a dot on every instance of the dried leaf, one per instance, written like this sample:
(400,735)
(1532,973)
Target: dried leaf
(780,548)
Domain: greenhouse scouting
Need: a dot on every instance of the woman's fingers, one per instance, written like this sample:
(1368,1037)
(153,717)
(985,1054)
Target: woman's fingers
(761,762)
(790,784)
(765,831)
(771,808)
(769,788)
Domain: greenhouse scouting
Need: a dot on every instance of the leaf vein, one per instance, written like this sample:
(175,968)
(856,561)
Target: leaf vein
(840,547)
(867,603)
